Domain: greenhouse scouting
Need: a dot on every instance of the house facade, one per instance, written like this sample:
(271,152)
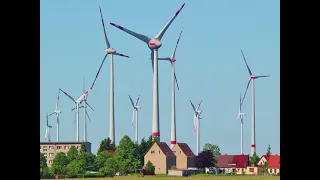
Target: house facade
(185,158)
(161,156)
(274,164)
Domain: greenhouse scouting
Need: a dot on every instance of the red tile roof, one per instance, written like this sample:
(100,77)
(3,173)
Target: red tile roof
(186,149)
(165,149)
(274,161)
(225,161)
(266,156)
(240,161)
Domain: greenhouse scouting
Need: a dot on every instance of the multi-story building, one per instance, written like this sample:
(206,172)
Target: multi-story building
(50,149)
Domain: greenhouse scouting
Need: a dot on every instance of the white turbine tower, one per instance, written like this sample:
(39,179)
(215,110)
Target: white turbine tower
(197,117)
(57,112)
(252,77)
(136,108)
(172,60)
(154,44)
(112,52)
(47,135)
(240,116)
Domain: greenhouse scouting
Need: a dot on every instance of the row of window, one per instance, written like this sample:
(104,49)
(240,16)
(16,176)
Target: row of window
(152,152)
(50,155)
(58,147)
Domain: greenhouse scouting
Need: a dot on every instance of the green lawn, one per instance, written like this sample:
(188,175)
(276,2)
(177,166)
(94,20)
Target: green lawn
(196,177)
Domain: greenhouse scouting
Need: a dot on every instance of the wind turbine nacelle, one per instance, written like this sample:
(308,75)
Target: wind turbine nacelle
(110,50)
(173,59)
(137,107)
(57,111)
(154,44)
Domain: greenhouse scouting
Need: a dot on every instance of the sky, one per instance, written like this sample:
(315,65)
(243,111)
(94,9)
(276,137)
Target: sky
(209,67)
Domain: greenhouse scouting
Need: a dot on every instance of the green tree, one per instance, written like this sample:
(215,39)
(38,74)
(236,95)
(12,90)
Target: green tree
(150,167)
(59,163)
(43,161)
(72,153)
(143,149)
(269,150)
(106,145)
(150,142)
(254,158)
(127,155)
(110,167)
(215,151)
(101,159)
(83,148)
(84,162)
(265,167)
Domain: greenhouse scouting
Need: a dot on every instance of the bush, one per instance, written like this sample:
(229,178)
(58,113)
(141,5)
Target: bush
(150,166)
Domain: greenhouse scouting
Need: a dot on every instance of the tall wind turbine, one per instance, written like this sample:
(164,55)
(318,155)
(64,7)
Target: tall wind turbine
(172,60)
(47,135)
(240,116)
(197,116)
(57,112)
(136,108)
(154,44)
(252,77)
(112,52)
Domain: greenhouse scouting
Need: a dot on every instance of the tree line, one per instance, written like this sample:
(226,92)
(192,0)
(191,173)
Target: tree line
(127,157)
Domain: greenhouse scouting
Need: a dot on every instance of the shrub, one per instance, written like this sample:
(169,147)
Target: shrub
(150,166)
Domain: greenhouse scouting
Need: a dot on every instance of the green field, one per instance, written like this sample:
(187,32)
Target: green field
(197,177)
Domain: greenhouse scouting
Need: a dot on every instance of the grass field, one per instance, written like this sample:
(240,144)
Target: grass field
(196,177)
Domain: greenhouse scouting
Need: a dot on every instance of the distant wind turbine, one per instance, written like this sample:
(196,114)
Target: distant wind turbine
(57,112)
(197,117)
(240,116)
(136,108)
(47,135)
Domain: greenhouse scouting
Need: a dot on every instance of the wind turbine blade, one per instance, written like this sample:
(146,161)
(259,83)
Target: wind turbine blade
(245,92)
(105,56)
(131,101)
(57,103)
(88,115)
(68,95)
(164,29)
(132,122)
(118,54)
(164,59)
(262,76)
(143,38)
(175,77)
(194,109)
(246,64)
(138,99)
(89,105)
(152,57)
(199,106)
(175,48)
(51,114)
(104,29)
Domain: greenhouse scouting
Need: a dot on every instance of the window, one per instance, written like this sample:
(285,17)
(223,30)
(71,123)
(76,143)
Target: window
(50,161)
(66,147)
(40,147)
(159,152)
(152,151)
(51,147)
(51,154)
(180,152)
(45,155)
(44,148)
(251,169)
(58,147)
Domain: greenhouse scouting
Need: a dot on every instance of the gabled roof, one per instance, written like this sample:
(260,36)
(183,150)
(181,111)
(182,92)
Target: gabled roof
(225,161)
(186,149)
(240,161)
(165,149)
(266,156)
(274,161)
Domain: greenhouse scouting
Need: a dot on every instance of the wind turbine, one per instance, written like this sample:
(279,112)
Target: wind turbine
(154,44)
(112,52)
(57,112)
(135,114)
(197,116)
(252,77)
(172,60)
(240,116)
(47,135)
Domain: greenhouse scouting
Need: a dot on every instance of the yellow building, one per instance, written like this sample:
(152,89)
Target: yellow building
(50,149)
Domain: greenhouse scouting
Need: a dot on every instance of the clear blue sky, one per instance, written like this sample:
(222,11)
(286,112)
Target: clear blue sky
(209,67)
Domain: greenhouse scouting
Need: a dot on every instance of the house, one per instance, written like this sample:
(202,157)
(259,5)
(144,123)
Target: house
(224,163)
(240,163)
(263,159)
(161,156)
(185,156)
(274,164)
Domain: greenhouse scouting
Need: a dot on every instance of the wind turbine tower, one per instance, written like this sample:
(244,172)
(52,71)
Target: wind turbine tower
(47,135)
